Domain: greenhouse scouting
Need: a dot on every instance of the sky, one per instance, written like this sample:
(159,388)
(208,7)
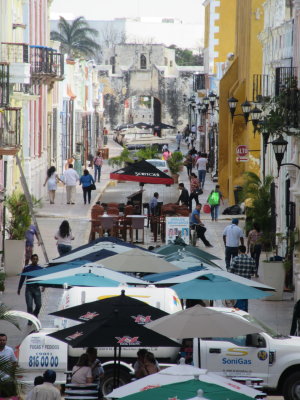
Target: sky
(187,10)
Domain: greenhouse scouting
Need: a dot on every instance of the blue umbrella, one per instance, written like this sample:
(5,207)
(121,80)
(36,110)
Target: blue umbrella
(57,268)
(171,274)
(214,287)
(170,249)
(88,279)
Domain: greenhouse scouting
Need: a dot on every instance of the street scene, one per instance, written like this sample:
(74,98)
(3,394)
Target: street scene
(149,200)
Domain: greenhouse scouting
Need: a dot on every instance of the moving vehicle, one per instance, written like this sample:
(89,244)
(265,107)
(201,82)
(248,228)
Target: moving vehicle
(162,165)
(267,355)
(38,350)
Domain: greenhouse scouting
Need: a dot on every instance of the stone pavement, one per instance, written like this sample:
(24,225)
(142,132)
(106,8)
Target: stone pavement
(277,314)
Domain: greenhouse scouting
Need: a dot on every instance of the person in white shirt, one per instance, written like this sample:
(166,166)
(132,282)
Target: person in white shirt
(232,236)
(47,390)
(71,177)
(201,167)
(6,351)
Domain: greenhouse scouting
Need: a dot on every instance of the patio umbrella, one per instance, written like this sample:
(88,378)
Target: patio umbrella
(191,275)
(123,305)
(142,172)
(214,287)
(161,125)
(170,249)
(167,275)
(187,390)
(176,374)
(96,269)
(124,126)
(48,270)
(84,280)
(142,125)
(136,260)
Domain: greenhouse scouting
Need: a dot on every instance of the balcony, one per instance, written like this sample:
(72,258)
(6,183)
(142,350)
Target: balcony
(25,91)
(285,78)
(4,84)
(10,131)
(261,90)
(47,65)
(17,55)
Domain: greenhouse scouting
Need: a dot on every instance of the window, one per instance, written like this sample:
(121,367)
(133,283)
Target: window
(113,65)
(143,61)
(171,63)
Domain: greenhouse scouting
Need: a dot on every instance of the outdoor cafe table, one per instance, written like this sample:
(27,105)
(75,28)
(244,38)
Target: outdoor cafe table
(137,223)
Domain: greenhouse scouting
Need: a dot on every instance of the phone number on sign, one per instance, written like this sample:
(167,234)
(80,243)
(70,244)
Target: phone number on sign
(43,361)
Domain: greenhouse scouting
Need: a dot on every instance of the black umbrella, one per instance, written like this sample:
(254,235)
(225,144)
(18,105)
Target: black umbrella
(161,125)
(124,126)
(143,125)
(123,305)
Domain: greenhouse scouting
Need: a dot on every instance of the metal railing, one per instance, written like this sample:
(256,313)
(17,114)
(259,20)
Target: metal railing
(10,127)
(261,88)
(4,84)
(14,52)
(198,82)
(285,78)
(46,61)
(27,88)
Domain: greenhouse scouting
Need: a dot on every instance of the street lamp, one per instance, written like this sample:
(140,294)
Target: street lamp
(247,109)
(279,148)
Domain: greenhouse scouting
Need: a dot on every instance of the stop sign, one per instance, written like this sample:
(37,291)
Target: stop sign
(242,153)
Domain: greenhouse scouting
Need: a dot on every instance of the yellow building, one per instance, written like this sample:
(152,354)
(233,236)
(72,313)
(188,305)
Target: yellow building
(238,82)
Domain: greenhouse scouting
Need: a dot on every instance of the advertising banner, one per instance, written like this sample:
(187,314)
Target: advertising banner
(177,227)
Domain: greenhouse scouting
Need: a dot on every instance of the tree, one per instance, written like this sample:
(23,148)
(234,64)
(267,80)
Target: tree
(186,56)
(76,38)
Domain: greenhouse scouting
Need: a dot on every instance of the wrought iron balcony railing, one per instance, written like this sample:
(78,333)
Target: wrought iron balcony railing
(10,130)
(198,82)
(4,84)
(27,89)
(285,78)
(46,62)
(14,52)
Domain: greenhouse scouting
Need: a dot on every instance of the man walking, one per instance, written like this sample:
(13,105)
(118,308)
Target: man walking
(178,140)
(232,236)
(214,200)
(47,390)
(196,222)
(70,178)
(29,236)
(201,167)
(243,265)
(32,291)
(98,162)
(184,195)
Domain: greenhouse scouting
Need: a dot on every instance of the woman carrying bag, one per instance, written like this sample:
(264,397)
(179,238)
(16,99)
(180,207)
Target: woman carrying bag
(88,184)
(195,189)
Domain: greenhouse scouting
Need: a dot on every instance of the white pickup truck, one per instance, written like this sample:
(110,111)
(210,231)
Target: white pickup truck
(268,355)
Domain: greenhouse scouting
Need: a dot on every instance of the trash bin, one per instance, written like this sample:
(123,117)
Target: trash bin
(105,140)
(236,193)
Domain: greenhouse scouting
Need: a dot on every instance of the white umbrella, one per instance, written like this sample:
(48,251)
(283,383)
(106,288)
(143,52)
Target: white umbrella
(94,269)
(200,322)
(176,374)
(136,260)
(215,271)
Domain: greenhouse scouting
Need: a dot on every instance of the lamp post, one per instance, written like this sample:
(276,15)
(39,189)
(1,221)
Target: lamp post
(248,111)
(279,148)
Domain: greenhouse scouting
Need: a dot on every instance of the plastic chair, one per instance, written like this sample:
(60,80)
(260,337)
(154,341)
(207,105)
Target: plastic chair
(108,224)
(137,224)
(113,211)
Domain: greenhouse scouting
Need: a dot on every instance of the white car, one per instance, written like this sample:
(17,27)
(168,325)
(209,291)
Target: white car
(162,165)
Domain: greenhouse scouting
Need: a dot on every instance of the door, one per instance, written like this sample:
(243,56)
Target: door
(239,356)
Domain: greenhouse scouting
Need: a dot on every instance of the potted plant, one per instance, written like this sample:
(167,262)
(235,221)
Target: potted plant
(16,227)
(175,164)
(122,159)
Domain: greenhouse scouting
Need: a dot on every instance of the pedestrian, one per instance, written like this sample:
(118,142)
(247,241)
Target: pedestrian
(232,236)
(165,148)
(29,242)
(197,224)
(64,238)
(86,180)
(32,291)
(97,369)
(184,195)
(150,364)
(214,200)
(254,245)
(186,131)
(139,364)
(188,163)
(192,138)
(201,167)
(51,180)
(47,390)
(166,155)
(178,140)
(71,177)
(82,372)
(98,162)
(153,206)
(38,380)
(195,189)
(243,265)
(6,352)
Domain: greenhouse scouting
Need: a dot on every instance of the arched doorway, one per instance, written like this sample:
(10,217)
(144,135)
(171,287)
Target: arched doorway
(142,108)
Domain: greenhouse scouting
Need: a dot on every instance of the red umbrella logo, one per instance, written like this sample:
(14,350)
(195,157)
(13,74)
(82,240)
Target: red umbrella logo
(141,319)
(128,340)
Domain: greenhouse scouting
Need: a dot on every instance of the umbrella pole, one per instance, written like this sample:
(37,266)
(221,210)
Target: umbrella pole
(118,367)
(199,354)
(115,365)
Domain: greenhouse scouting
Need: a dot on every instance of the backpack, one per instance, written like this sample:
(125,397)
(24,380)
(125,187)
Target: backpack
(214,198)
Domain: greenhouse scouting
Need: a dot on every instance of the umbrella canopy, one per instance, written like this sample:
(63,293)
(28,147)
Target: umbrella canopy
(142,172)
(123,305)
(200,322)
(161,125)
(95,269)
(176,374)
(214,287)
(49,270)
(191,275)
(89,280)
(187,390)
(170,249)
(142,125)
(167,275)
(124,126)
(115,330)
(136,260)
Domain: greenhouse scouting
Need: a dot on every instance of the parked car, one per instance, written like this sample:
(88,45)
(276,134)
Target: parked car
(162,165)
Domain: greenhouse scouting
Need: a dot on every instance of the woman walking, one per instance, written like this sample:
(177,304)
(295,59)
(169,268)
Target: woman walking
(64,237)
(86,180)
(254,244)
(188,162)
(98,162)
(194,189)
(52,179)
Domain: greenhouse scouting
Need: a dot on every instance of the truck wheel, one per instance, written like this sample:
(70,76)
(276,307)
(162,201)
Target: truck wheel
(291,387)
(108,381)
